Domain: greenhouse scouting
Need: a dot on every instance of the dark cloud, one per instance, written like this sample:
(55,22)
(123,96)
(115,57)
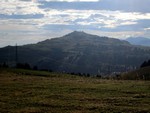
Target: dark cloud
(27,16)
(113,5)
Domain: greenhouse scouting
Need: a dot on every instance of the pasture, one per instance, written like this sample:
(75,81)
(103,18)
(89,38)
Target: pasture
(25,91)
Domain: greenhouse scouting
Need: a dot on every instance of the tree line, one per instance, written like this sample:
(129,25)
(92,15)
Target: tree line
(135,75)
(145,64)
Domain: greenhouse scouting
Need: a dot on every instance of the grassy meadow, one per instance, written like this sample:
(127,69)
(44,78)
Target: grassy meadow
(25,91)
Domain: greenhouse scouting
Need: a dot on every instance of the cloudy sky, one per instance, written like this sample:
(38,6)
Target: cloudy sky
(30,21)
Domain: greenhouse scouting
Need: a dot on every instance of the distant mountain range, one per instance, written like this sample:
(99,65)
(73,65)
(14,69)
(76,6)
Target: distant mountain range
(139,41)
(79,52)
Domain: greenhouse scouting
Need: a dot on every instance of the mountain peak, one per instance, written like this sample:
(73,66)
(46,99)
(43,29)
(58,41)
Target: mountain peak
(79,52)
(75,33)
(85,37)
(78,32)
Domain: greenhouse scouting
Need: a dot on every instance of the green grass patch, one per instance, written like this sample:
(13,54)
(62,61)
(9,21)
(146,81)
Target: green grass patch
(29,91)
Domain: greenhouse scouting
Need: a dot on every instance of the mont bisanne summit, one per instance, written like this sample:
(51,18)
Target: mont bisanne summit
(79,52)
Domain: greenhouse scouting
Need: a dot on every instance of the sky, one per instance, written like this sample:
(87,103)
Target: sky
(31,21)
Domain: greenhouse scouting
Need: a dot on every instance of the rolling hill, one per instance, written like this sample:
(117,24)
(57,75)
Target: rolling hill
(79,52)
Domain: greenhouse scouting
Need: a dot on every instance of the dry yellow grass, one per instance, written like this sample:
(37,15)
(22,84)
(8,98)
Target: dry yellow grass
(60,93)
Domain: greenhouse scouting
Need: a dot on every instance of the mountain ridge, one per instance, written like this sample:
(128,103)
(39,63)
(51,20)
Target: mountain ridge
(139,41)
(80,36)
(79,52)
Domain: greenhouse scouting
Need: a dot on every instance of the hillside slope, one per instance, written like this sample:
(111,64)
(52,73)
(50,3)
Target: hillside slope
(79,52)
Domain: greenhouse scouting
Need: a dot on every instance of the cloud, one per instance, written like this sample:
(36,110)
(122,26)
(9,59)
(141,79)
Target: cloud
(96,19)
(113,5)
(43,18)
(147,29)
(117,34)
(71,0)
(27,16)
(12,7)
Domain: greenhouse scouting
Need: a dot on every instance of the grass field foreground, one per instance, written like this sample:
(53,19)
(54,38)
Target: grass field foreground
(24,91)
